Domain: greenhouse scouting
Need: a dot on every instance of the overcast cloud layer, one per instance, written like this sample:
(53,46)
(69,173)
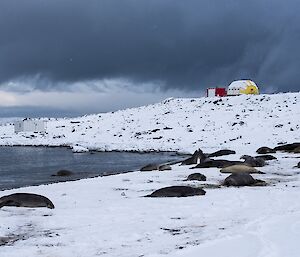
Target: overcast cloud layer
(181,44)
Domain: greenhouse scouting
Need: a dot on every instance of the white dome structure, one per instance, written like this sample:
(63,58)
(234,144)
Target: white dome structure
(239,87)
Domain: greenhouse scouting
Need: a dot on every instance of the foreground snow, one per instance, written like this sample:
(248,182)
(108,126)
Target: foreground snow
(177,125)
(108,216)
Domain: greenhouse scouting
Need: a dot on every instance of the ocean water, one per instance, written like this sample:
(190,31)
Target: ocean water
(25,166)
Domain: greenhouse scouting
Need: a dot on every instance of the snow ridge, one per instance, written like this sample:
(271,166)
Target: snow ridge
(180,124)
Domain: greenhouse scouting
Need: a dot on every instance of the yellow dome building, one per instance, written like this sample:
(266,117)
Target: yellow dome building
(242,87)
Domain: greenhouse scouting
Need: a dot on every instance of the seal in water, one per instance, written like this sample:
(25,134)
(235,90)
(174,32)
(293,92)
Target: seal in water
(240,169)
(177,191)
(63,173)
(239,179)
(26,200)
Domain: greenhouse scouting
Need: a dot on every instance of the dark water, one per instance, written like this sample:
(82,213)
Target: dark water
(24,166)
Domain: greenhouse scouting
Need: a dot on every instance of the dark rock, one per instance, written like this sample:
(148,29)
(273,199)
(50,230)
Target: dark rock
(196,176)
(26,200)
(150,167)
(298,165)
(221,153)
(198,156)
(253,161)
(177,191)
(164,167)
(287,147)
(267,157)
(63,173)
(264,150)
(239,179)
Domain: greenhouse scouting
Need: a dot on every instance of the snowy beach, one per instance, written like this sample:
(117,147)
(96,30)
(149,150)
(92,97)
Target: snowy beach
(109,216)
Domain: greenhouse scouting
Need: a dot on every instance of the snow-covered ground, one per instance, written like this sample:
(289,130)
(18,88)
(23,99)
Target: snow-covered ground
(108,216)
(177,125)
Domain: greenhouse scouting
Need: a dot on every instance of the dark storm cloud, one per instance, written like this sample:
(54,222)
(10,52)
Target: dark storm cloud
(182,44)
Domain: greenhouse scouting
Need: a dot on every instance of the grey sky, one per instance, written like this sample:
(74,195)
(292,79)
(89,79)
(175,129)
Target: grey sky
(175,44)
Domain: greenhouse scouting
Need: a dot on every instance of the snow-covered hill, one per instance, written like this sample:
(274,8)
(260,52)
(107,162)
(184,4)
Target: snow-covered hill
(177,125)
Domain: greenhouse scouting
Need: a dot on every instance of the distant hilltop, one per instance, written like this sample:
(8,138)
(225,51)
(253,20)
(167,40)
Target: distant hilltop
(179,124)
(237,87)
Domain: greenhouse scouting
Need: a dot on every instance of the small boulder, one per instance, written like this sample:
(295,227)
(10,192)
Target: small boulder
(150,167)
(298,165)
(164,167)
(264,150)
(63,173)
(196,176)
(177,191)
(240,169)
(239,179)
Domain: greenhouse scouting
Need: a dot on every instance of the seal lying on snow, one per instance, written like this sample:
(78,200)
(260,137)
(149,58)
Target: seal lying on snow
(253,161)
(196,176)
(239,179)
(210,163)
(287,147)
(197,157)
(177,191)
(240,169)
(26,200)
(221,153)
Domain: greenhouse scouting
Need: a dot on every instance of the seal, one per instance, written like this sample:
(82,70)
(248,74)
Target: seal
(211,163)
(240,169)
(264,150)
(26,200)
(287,147)
(63,173)
(196,176)
(164,167)
(221,153)
(150,167)
(266,157)
(239,179)
(197,157)
(177,191)
(253,161)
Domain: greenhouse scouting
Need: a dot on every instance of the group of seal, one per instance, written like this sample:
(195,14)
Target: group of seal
(26,200)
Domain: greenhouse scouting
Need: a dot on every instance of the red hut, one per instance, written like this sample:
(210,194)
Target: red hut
(216,91)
